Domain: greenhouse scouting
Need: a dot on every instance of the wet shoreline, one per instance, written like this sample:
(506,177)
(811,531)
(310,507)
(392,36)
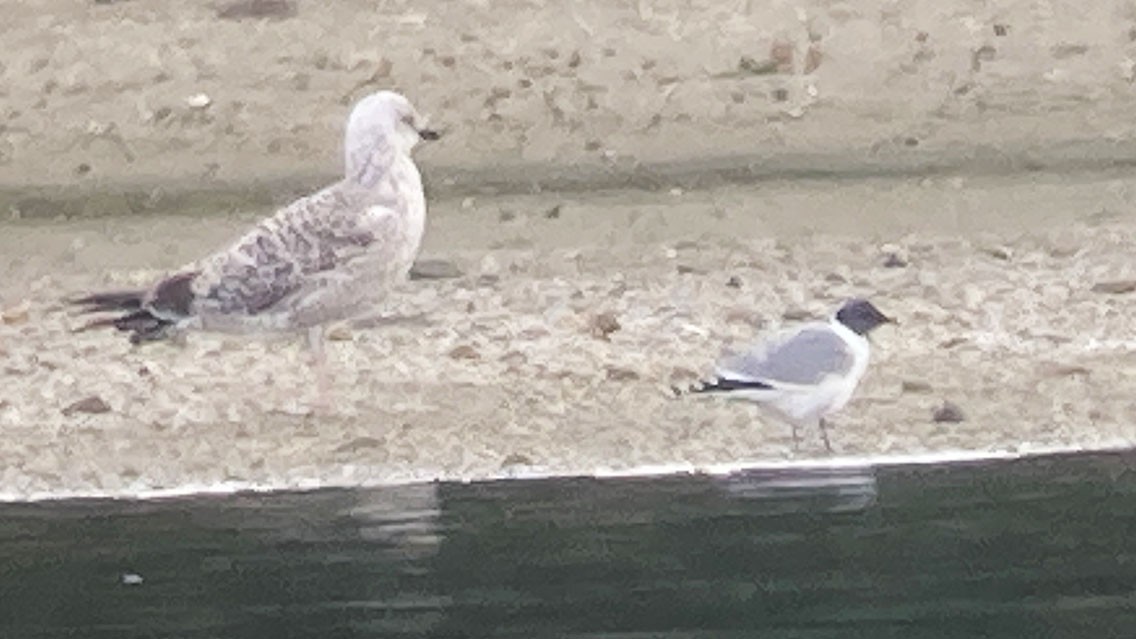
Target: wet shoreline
(1012,294)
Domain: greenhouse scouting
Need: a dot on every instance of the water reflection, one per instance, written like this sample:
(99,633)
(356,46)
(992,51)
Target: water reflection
(1007,549)
(259,566)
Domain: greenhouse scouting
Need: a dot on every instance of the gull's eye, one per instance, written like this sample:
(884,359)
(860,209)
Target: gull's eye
(408,121)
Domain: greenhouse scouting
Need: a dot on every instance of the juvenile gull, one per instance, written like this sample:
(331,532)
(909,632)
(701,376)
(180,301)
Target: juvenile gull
(328,256)
(806,373)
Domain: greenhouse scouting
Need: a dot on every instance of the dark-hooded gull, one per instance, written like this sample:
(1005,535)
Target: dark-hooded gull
(807,372)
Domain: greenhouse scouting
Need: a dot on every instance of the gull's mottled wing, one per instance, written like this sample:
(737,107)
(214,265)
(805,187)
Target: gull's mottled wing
(314,238)
(802,358)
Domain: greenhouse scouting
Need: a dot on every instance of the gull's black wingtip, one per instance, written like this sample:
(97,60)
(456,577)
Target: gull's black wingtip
(720,385)
(108,301)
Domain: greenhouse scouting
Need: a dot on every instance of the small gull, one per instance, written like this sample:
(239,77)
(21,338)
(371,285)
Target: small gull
(329,256)
(806,373)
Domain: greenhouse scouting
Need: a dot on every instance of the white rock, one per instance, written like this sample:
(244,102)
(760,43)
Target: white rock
(198,101)
(132,579)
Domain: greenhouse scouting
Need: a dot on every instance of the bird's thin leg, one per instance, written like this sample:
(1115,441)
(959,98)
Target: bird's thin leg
(796,437)
(824,434)
(319,365)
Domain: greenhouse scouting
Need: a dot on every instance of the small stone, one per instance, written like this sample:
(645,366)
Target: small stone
(747,64)
(781,54)
(516,459)
(602,325)
(813,58)
(948,413)
(301,81)
(360,443)
(914,386)
(1115,287)
(132,579)
(241,9)
(1062,51)
(893,260)
(1001,30)
(734,282)
(796,315)
(465,351)
(553,213)
(618,374)
(92,405)
(1056,369)
(18,314)
(434,270)
(999,252)
(82,169)
(339,333)
(198,101)
(985,53)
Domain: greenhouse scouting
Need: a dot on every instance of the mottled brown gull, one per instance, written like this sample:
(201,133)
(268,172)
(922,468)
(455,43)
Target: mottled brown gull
(330,256)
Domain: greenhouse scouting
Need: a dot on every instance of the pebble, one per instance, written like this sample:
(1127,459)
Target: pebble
(339,333)
(892,260)
(915,386)
(1115,287)
(602,325)
(618,374)
(434,270)
(198,101)
(18,314)
(948,413)
(92,405)
(464,351)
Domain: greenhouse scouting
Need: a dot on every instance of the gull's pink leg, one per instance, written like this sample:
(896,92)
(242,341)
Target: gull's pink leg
(319,365)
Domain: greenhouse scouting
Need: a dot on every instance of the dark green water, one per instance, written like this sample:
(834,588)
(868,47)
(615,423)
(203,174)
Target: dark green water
(1032,548)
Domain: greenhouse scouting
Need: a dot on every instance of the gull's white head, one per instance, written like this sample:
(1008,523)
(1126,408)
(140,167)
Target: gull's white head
(382,126)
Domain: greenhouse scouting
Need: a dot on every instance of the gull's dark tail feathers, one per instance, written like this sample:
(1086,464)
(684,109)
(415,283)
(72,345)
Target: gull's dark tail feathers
(142,325)
(137,315)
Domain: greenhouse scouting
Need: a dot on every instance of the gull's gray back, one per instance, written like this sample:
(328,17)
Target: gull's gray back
(805,357)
